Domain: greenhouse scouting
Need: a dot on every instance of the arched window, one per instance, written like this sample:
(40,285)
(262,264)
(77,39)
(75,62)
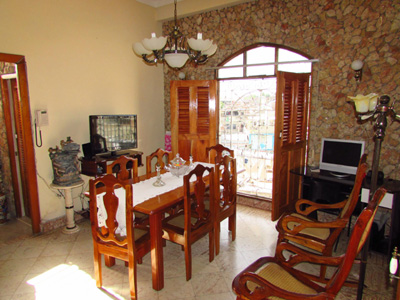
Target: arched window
(263,60)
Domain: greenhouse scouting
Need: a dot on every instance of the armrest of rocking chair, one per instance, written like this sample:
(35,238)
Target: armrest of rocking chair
(298,255)
(301,224)
(305,207)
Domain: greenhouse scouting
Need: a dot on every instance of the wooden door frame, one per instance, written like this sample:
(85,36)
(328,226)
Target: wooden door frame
(8,120)
(27,138)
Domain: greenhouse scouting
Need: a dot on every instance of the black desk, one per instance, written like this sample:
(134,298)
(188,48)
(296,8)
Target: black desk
(322,187)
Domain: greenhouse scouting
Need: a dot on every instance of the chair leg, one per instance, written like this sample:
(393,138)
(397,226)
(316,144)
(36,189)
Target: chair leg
(188,261)
(132,277)
(232,225)
(97,268)
(211,240)
(109,261)
(217,227)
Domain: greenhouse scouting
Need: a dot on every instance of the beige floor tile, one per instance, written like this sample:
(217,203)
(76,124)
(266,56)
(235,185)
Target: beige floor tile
(17,266)
(83,260)
(82,245)
(209,284)
(57,249)
(176,288)
(45,263)
(223,296)
(30,296)
(6,250)
(9,285)
(227,261)
(27,252)
(58,264)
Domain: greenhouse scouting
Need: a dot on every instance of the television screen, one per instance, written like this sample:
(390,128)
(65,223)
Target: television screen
(112,132)
(342,156)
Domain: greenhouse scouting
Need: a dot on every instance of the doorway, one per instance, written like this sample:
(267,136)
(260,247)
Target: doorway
(17,120)
(246,125)
(247,95)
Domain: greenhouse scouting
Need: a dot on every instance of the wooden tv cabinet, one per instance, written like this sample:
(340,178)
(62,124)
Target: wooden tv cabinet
(97,165)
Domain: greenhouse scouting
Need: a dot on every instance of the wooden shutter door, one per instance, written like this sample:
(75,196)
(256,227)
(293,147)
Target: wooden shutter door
(291,125)
(193,117)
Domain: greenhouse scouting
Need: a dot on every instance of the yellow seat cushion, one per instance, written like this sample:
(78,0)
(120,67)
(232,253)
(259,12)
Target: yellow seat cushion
(320,233)
(277,276)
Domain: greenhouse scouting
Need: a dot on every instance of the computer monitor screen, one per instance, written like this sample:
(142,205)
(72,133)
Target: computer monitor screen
(341,156)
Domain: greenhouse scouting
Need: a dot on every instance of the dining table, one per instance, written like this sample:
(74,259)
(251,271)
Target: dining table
(153,201)
(156,207)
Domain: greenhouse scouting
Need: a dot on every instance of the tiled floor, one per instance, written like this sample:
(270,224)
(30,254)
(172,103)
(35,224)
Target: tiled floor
(59,266)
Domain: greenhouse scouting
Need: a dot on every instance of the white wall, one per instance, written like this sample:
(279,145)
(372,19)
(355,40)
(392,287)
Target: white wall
(80,62)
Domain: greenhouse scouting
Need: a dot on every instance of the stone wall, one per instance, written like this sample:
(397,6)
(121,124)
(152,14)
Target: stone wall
(336,33)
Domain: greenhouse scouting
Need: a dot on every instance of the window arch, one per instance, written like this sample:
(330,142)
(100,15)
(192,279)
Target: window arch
(263,60)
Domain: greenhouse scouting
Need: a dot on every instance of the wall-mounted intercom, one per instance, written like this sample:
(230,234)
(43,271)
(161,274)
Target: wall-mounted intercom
(41,119)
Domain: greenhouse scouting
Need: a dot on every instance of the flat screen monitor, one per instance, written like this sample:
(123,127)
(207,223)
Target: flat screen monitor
(340,156)
(112,132)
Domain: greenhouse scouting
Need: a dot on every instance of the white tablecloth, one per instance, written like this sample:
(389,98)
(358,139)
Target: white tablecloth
(141,192)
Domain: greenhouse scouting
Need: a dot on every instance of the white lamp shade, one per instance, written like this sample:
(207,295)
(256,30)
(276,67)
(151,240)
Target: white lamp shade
(357,65)
(199,44)
(154,43)
(373,100)
(362,106)
(210,51)
(365,103)
(140,49)
(176,60)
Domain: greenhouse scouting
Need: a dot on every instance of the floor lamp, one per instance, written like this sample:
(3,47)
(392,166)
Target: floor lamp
(367,108)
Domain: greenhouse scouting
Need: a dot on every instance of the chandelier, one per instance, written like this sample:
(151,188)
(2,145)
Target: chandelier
(175,49)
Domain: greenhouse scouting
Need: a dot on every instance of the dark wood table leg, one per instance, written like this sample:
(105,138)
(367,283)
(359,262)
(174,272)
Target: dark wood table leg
(157,260)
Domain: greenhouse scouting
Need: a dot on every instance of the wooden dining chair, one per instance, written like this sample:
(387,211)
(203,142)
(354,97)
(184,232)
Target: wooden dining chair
(301,229)
(225,197)
(161,157)
(217,152)
(282,278)
(126,169)
(109,237)
(194,221)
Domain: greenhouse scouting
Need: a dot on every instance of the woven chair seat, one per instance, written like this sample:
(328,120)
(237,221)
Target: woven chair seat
(179,221)
(320,233)
(277,276)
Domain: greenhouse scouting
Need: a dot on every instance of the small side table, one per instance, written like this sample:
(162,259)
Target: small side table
(70,227)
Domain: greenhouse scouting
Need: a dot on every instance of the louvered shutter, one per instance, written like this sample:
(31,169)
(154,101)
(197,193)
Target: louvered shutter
(291,120)
(193,117)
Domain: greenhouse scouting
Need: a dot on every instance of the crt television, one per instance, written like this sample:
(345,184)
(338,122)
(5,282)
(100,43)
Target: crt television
(340,156)
(112,132)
